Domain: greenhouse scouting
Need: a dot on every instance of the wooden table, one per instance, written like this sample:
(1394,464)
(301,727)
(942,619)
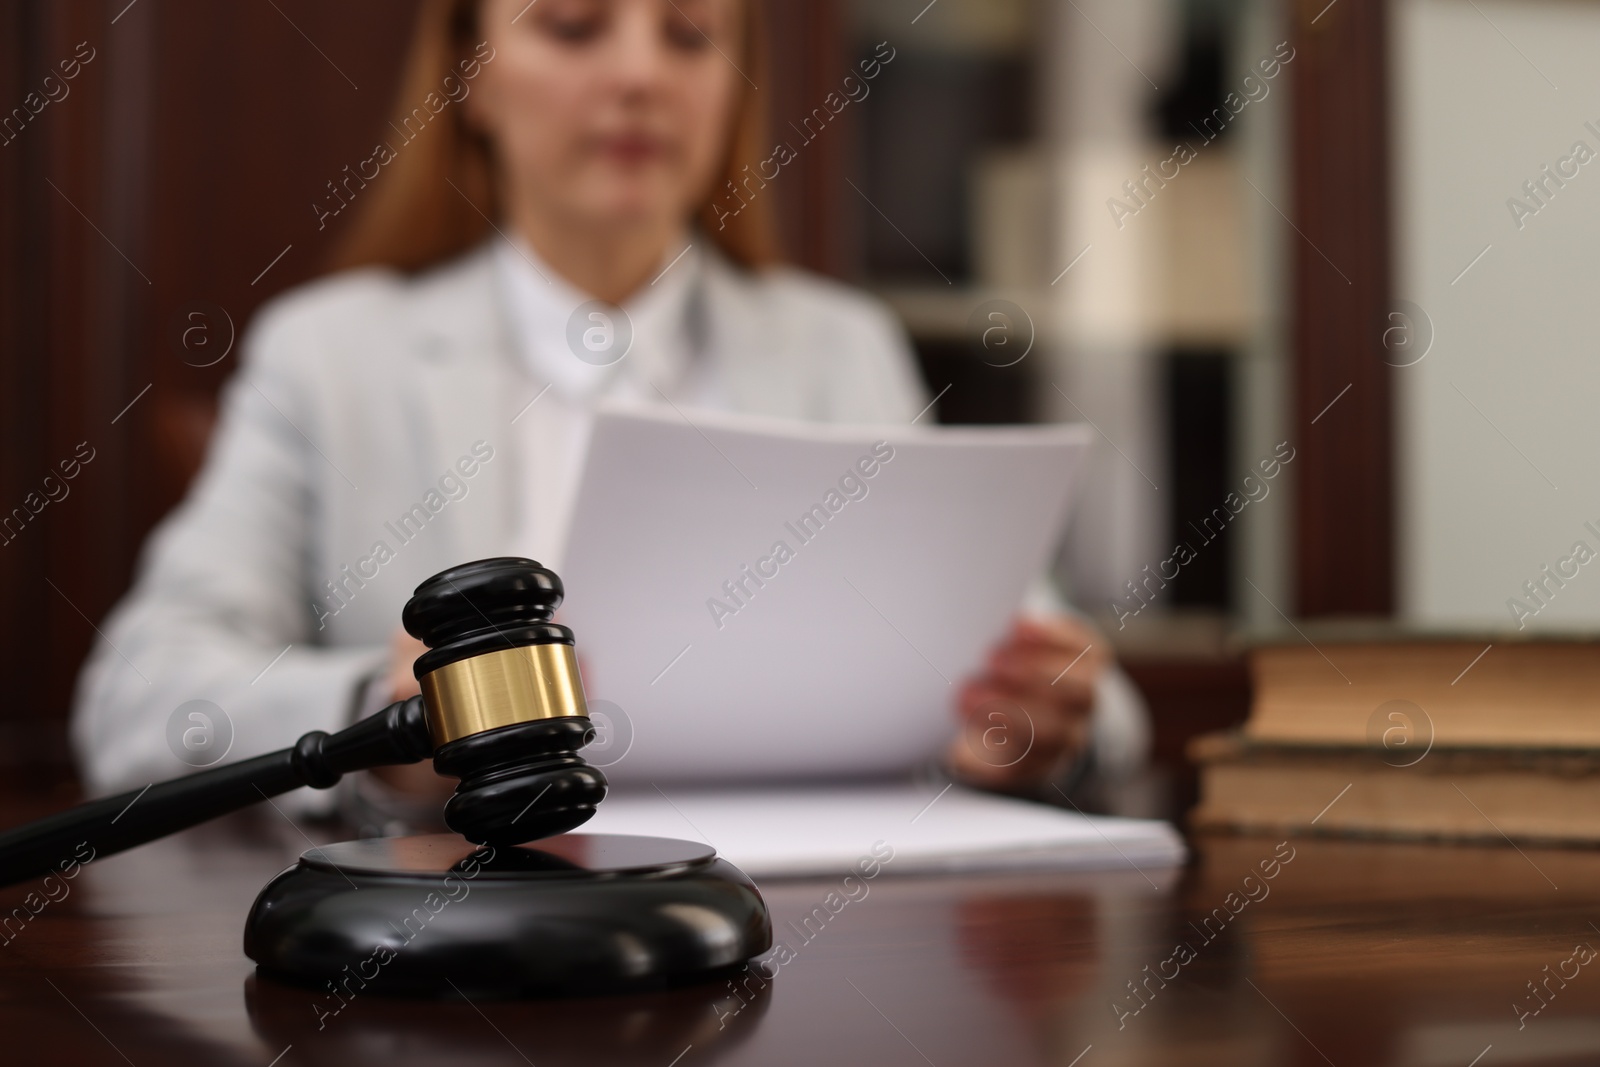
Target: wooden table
(1354,954)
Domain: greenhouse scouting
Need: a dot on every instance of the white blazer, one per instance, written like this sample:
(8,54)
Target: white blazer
(362,403)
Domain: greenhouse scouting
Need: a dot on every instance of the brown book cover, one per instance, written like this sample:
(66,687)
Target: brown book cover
(1549,795)
(1445,693)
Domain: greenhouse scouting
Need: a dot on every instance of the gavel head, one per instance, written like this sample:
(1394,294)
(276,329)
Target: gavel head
(504,701)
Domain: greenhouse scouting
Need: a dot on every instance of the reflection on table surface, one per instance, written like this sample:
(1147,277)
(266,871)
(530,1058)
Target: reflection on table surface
(1259,953)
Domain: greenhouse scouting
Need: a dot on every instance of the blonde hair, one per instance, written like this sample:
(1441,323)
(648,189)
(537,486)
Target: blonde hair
(413,219)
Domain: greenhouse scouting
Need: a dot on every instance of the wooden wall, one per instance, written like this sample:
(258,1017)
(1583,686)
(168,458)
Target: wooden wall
(1343,407)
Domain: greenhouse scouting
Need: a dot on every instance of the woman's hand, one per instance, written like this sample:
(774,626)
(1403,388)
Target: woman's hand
(416,779)
(403,652)
(1027,714)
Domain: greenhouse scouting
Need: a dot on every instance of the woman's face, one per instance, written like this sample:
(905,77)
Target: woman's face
(609,113)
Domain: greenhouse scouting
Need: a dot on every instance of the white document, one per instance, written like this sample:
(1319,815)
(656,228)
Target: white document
(824,831)
(757,599)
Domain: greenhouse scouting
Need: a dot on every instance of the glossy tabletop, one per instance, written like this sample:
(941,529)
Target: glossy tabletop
(1350,953)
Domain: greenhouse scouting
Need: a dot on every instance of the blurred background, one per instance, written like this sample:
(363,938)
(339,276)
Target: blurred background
(1222,231)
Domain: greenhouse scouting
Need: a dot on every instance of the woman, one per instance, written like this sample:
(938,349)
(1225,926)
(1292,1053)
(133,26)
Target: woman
(545,156)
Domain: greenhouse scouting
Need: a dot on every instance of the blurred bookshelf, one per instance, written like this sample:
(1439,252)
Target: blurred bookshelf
(964,171)
(966,161)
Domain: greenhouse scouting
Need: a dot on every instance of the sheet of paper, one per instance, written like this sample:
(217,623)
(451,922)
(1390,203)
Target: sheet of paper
(796,832)
(756,599)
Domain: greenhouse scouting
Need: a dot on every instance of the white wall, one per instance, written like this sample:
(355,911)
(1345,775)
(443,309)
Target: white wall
(1485,97)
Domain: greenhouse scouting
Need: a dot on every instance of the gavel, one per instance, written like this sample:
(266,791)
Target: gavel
(502,709)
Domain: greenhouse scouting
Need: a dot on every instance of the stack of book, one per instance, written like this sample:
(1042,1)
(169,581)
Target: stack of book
(1440,738)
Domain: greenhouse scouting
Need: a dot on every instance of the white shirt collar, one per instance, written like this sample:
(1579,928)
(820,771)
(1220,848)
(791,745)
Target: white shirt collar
(551,326)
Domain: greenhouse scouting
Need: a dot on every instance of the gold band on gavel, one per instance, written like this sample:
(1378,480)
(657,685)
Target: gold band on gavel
(502,688)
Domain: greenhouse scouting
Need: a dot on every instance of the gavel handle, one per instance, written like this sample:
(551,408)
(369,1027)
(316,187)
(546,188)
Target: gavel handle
(397,734)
